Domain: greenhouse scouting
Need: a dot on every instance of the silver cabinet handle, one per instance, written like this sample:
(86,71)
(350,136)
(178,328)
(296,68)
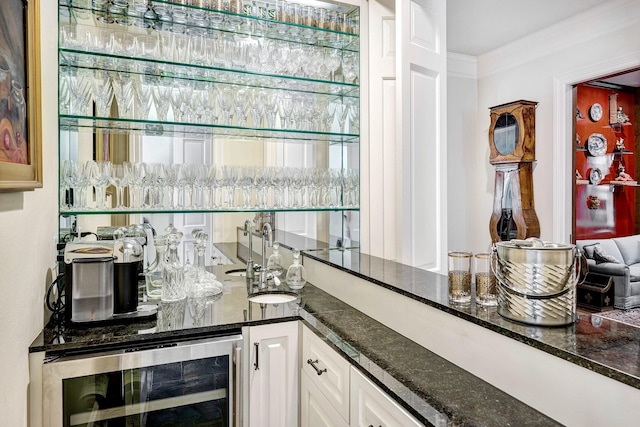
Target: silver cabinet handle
(313,365)
(237,395)
(256,365)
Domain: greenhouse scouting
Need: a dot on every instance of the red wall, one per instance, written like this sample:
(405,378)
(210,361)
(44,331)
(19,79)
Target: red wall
(616,214)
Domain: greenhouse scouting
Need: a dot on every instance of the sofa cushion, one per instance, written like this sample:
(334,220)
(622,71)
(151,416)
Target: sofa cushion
(629,248)
(600,255)
(588,250)
(608,245)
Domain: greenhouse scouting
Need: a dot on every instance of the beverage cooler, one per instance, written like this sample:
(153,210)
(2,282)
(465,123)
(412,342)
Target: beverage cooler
(195,383)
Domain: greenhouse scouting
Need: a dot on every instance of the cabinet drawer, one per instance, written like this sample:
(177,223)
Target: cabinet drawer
(331,371)
(370,406)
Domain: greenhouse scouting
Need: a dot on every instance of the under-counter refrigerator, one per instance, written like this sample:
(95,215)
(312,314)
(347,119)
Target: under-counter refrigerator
(194,383)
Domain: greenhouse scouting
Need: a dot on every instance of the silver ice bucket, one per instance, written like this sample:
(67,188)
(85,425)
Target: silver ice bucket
(536,281)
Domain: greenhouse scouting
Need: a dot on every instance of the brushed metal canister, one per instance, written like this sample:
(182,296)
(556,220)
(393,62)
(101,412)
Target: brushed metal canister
(536,281)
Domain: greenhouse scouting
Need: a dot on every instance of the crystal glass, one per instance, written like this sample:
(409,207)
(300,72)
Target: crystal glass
(120,176)
(142,99)
(486,294)
(123,92)
(459,283)
(80,93)
(161,94)
(100,174)
(173,272)
(102,93)
(296,272)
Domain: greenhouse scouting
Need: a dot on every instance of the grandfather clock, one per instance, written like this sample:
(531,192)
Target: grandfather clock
(512,146)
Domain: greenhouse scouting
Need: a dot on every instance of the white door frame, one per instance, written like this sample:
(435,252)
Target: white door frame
(563,132)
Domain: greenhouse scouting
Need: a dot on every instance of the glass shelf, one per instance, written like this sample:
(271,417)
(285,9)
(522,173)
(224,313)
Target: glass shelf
(127,211)
(153,128)
(223,21)
(155,70)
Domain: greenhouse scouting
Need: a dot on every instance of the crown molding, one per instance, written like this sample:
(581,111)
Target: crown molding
(591,24)
(462,66)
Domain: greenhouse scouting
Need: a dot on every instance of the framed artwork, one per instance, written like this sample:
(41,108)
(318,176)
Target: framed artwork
(20,127)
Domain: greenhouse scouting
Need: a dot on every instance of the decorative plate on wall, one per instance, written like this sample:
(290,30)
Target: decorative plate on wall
(597,144)
(595,112)
(595,176)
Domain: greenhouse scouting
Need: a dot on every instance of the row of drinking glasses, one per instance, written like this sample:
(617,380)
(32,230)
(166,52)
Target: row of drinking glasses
(206,14)
(161,186)
(220,50)
(203,102)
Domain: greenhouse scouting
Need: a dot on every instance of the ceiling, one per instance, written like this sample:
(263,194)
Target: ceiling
(475,27)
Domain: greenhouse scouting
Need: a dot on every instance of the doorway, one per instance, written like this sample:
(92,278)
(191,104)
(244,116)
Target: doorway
(605,199)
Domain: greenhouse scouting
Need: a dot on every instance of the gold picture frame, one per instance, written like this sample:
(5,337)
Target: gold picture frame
(20,110)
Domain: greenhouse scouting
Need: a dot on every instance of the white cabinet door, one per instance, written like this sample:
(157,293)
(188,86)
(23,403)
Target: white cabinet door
(370,406)
(273,375)
(315,409)
(421,133)
(328,371)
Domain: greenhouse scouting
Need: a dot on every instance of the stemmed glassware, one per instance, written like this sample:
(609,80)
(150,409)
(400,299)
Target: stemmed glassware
(142,98)
(172,175)
(120,176)
(257,107)
(242,97)
(161,93)
(225,98)
(99,175)
(123,92)
(102,93)
(80,93)
(200,186)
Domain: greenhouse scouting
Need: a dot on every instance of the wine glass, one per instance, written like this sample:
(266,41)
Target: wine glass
(100,173)
(142,99)
(225,102)
(123,92)
(257,107)
(119,178)
(161,94)
(102,93)
(242,97)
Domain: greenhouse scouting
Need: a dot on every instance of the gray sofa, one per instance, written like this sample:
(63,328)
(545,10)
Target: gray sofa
(625,251)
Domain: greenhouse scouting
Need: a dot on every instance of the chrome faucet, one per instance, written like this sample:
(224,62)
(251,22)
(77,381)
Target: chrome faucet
(267,239)
(248,230)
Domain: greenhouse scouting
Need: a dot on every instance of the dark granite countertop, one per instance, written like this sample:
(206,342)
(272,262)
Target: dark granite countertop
(431,388)
(594,342)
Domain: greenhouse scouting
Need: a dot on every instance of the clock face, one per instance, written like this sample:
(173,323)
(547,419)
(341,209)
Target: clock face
(595,112)
(506,134)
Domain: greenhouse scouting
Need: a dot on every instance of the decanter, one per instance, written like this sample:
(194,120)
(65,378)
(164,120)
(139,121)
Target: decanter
(153,276)
(274,263)
(173,272)
(200,282)
(296,272)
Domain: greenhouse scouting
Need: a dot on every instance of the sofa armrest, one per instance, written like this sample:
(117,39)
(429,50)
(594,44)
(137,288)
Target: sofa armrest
(608,268)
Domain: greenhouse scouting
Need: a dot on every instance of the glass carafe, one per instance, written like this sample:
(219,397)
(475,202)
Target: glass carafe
(296,273)
(153,276)
(274,264)
(199,281)
(173,273)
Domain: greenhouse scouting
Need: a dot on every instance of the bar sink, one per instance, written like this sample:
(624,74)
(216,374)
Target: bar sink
(272,297)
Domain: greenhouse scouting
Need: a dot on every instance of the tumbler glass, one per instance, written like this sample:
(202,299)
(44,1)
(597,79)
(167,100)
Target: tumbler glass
(460,277)
(485,281)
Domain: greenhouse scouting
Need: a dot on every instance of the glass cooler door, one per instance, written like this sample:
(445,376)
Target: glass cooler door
(188,384)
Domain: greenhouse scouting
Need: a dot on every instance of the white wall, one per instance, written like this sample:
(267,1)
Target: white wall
(528,69)
(28,224)
(464,172)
